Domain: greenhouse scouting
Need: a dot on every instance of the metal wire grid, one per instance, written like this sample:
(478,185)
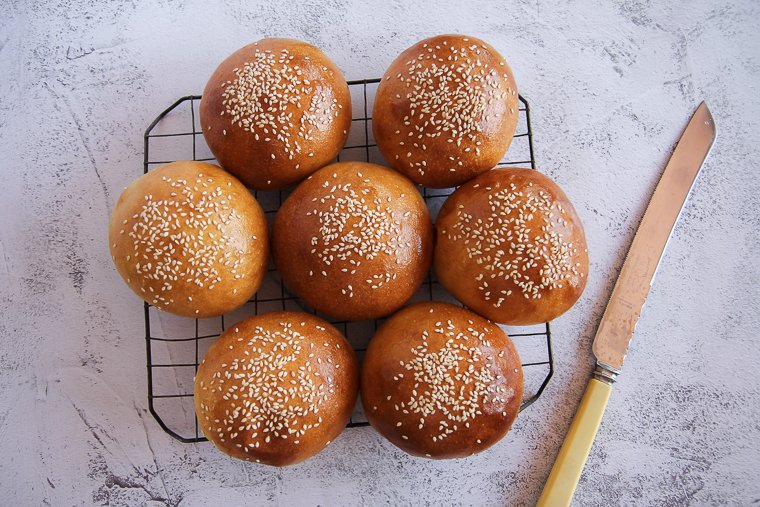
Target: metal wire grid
(175,356)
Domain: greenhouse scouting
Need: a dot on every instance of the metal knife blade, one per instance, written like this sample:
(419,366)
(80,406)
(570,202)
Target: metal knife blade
(632,287)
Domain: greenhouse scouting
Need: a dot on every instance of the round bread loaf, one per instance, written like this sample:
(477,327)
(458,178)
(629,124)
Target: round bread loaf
(511,247)
(440,381)
(354,240)
(446,110)
(275,111)
(276,388)
(190,239)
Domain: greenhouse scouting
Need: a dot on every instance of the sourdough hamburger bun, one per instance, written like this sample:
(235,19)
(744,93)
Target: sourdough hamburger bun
(354,240)
(440,381)
(511,247)
(445,110)
(275,111)
(276,388)
(189,239)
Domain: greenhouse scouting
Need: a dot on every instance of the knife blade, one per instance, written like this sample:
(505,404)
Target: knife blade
(616,328)
(615,331)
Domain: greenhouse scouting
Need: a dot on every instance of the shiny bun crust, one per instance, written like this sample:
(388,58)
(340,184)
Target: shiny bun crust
(446,110)
(276,388)
(189,239)
(354,241)
(440,381)
(275,111)
(511,247)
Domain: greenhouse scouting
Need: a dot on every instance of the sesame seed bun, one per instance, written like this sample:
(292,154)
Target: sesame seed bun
(189,239)
(354,240)
(446,110)
(440,381)
(276,388)
(275,111)
(511,247)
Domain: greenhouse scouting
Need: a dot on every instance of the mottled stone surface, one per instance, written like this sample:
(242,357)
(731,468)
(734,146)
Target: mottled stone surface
(611,88)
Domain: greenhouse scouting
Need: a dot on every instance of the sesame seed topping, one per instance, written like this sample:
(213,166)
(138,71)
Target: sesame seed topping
(190,224)
(268,91)
(450,382)
(508,248)
(450,93)
(266,398)
(354,228)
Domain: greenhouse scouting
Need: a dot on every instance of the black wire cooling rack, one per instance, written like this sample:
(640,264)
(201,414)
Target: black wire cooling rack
(175,345)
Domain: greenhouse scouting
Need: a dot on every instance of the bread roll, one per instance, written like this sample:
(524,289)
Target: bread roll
(276,388)
(511,247)
(354,241)
(275,111)
(189,239)
(440,381)
(446,110)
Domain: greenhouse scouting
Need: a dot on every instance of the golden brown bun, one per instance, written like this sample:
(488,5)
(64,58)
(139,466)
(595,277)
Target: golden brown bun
(189,239)
(440,381)
(354,241)
(446,110)
(276,388)
(275,111)
(511,247)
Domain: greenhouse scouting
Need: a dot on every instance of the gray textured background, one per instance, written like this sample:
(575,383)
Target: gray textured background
(611,89)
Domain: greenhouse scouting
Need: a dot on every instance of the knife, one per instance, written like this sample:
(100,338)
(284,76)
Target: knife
(613,336)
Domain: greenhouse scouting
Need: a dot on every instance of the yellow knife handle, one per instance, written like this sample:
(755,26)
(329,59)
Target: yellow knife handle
(560,486)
